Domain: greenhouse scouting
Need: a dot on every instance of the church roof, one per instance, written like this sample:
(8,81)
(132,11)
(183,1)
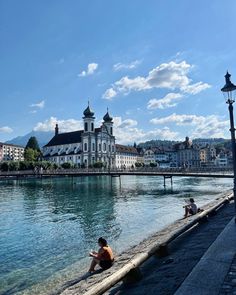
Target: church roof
(65,138)
(107,117)
(126,149)
(88,113)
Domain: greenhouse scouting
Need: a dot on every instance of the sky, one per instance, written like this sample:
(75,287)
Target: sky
(158,65)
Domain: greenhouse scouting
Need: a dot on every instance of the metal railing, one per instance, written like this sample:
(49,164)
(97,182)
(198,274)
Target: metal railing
(142,170)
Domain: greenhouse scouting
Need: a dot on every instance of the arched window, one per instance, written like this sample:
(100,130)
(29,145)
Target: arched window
(85,147)
(104,147)
(92,126)
(111,130)
(85,126)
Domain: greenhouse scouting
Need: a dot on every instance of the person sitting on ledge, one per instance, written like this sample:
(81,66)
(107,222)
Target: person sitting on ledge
(191,208)
(104,257)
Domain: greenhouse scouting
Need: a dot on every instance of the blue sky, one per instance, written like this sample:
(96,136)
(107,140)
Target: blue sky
(157,65)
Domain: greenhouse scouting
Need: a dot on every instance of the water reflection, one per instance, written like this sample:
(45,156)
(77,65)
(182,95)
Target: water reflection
(47,226)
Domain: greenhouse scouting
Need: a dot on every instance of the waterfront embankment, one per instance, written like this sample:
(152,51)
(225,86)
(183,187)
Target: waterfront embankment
(163,274)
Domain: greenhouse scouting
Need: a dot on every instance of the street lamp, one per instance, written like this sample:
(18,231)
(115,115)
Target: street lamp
(229,91)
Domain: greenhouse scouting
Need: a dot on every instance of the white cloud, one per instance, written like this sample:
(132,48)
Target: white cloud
(6,129)
(126,133)
(170,100)
(64,125)
(90,70)
(39,105)
(206,127)
(109,94)
(179,120)
(170,75)
(128,123)
(196,88)
(121,66)
(212,127)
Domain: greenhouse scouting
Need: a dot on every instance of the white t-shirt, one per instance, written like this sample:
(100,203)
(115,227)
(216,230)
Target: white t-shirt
(193,207)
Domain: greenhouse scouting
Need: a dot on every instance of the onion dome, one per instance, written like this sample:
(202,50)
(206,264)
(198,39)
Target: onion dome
(107,117)
(88,113)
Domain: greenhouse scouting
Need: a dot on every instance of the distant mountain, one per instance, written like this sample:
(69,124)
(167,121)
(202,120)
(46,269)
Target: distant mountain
(42,137)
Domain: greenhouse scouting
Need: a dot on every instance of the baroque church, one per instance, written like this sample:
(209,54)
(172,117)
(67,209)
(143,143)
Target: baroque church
(84,147)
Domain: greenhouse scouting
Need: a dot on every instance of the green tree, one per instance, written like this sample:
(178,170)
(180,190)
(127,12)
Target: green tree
(33,144)
(31,154)
(14,166)
(32,150)
(98,165)
(66,165)
(4,166)
(138,164)
(153,164)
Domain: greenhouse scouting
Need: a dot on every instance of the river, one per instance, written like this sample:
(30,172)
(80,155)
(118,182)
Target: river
(47,227)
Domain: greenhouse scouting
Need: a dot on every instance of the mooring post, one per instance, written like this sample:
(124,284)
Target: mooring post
(164,181)
(171,181)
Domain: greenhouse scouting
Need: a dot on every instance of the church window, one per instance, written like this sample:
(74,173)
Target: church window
(104,147)
(85,147)
(111,130)
(92,126)
(100,147)
(85,126)
(93,146)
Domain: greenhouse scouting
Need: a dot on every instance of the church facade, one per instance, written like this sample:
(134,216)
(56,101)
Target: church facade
(84,147)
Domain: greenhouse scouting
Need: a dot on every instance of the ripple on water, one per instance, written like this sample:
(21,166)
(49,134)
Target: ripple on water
(47,227)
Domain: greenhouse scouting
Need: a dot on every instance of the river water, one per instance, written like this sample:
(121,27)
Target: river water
(47,227)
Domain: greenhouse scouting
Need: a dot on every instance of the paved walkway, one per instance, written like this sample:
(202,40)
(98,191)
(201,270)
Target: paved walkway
(209,274)
(168,275)
(229,285)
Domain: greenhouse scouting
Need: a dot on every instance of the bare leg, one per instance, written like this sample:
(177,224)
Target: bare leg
(93,264)
(186,211)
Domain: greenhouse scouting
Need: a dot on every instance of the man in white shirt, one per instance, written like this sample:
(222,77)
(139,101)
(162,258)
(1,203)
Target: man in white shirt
(191,208)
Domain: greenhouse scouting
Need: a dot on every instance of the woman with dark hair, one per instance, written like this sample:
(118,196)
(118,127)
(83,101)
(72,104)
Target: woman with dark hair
(104,257)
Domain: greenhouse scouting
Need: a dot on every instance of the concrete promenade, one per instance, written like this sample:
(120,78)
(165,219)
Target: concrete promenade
(201,262)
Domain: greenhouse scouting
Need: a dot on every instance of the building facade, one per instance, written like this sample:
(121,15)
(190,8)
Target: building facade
(188,154)
(11,152)
(127,156)
(84,147)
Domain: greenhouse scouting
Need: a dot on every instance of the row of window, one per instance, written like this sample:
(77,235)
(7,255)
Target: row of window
(99,147)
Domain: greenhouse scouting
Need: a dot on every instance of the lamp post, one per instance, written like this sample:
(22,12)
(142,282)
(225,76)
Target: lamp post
(229,91)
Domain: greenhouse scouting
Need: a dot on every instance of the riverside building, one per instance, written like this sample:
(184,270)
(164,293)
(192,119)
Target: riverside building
(11,152)
(84,147)
(127,156)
